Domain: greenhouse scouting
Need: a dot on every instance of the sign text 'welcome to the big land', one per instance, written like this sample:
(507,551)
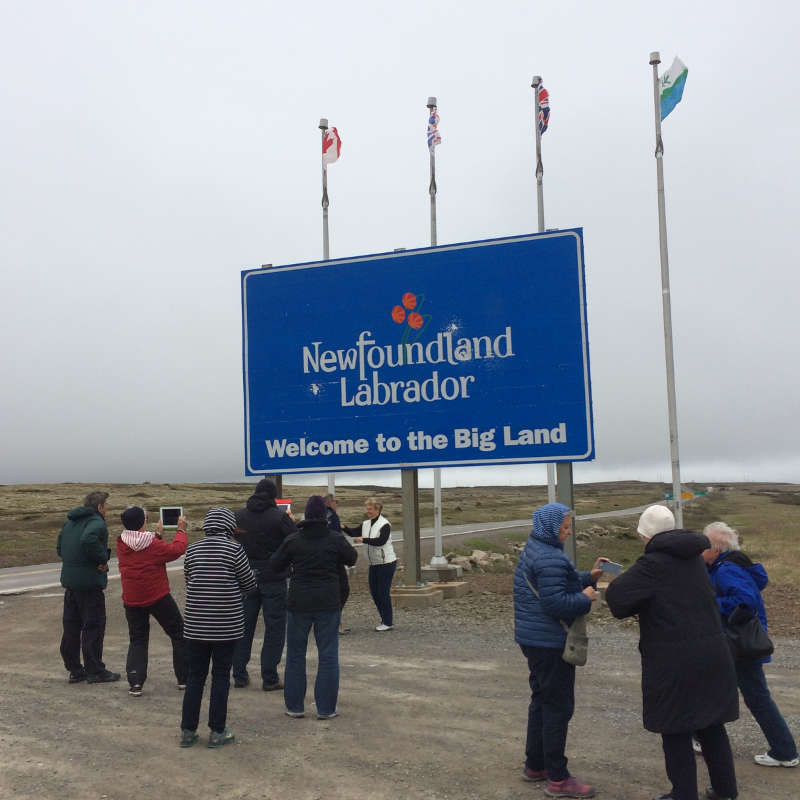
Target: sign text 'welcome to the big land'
(465,354)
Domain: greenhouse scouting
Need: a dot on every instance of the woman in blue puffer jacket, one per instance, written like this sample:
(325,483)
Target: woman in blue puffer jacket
(737,580)
(563,594)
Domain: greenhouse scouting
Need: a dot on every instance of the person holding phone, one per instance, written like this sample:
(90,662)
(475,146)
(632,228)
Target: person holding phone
(143,558)
(562,594)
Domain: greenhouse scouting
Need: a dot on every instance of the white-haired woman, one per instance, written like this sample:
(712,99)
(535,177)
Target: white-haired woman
(376,533)
(688,679)
(737,580)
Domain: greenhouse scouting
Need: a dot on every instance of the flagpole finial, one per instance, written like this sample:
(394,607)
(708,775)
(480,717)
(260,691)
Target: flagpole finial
(323,124)
(655,58)
(537,81)
(431,102)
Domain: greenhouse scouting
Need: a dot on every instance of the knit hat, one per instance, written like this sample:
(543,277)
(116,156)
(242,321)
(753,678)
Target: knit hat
(547,521)
(316,508)
(267,487)
(655,519)
(219,520)
(132,518)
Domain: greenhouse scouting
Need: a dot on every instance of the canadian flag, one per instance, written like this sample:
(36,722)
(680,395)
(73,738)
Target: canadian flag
(331,146)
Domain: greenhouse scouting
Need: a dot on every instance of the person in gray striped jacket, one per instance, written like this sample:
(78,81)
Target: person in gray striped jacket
(217,574)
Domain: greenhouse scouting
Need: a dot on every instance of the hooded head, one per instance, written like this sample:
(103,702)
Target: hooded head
(316,508)
(267,487)
(132,518)
(219,520)
(655,519)
(547,521)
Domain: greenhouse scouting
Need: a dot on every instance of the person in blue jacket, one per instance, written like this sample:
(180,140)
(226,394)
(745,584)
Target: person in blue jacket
(737,580)
(562,593)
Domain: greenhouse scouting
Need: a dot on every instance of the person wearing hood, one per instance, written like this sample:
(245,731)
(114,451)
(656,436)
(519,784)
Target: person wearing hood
(688,678)
(562,594)
(315,554)
(261,529)
(83,548)
(143,559)
(738,581)
(217,574)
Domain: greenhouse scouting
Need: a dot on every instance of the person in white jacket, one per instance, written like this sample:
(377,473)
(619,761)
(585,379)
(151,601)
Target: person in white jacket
(376,533)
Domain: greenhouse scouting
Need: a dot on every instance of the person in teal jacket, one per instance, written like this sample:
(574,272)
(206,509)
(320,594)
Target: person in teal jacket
(83,547)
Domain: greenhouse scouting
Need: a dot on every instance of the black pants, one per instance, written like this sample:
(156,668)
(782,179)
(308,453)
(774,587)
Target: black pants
(167,614)
(84,629)
(198,656)
(380,578)
(552,683)
(681,766)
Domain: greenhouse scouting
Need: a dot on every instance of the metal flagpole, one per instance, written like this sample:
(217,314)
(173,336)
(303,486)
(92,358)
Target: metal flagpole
(655,60)
(535,84)
(326,250)
(438,559)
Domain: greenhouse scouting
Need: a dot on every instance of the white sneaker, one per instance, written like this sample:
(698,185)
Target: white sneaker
(295,714)
(696,746)
(766,760)
(383,627)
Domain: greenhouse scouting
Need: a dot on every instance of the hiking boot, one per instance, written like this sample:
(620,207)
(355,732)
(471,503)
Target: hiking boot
(766,760)
(77,676)
(188,738)
(272,687)
(383,627)
(135,691)
(569,787)
(534,775)
(240,683)
(295,714)
(106,676)
(218,739)
(712,795)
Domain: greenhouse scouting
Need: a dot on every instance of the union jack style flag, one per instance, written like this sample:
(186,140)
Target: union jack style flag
(544,109)
(433,129)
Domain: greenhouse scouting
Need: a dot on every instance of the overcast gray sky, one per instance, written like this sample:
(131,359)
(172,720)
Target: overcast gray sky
(152,150)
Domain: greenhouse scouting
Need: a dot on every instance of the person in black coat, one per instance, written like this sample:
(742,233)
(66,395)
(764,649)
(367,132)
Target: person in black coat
(314,554)
(261,529)
(688,677)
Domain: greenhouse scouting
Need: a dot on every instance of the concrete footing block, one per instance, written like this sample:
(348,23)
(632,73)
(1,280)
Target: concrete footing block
(416,597)
(450,572)
(451,589)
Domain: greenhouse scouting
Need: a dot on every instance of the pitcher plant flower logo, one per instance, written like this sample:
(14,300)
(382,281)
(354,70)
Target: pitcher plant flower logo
(408,312)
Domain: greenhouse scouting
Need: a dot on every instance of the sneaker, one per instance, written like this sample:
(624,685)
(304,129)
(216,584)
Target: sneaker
(712,795)
(77,677)
(667,796)
(181,686)
(534,775)
(696,746)
(328,716)
(569,787)
(106,676)
(272,687)
(135,691)
(295,714)
(188,738)
(219,739)
(240,683)
(383,627)
(766,760)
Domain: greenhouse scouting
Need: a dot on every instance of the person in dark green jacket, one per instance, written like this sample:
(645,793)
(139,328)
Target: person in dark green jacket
(83,548)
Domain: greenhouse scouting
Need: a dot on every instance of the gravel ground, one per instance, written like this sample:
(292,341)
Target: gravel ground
(434,709)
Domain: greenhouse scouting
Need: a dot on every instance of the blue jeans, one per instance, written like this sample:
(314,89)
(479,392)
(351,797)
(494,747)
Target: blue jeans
(198,656)
(270,599)
(326,635)
(753,685)
(552,683)
(380,584)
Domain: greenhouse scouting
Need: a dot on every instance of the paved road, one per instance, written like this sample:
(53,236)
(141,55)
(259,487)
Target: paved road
(16,580)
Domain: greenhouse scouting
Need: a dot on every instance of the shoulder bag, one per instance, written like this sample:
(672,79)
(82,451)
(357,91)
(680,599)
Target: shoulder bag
(746,637)
(576,647)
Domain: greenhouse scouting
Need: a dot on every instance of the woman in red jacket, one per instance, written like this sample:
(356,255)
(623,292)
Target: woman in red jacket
(143,559)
